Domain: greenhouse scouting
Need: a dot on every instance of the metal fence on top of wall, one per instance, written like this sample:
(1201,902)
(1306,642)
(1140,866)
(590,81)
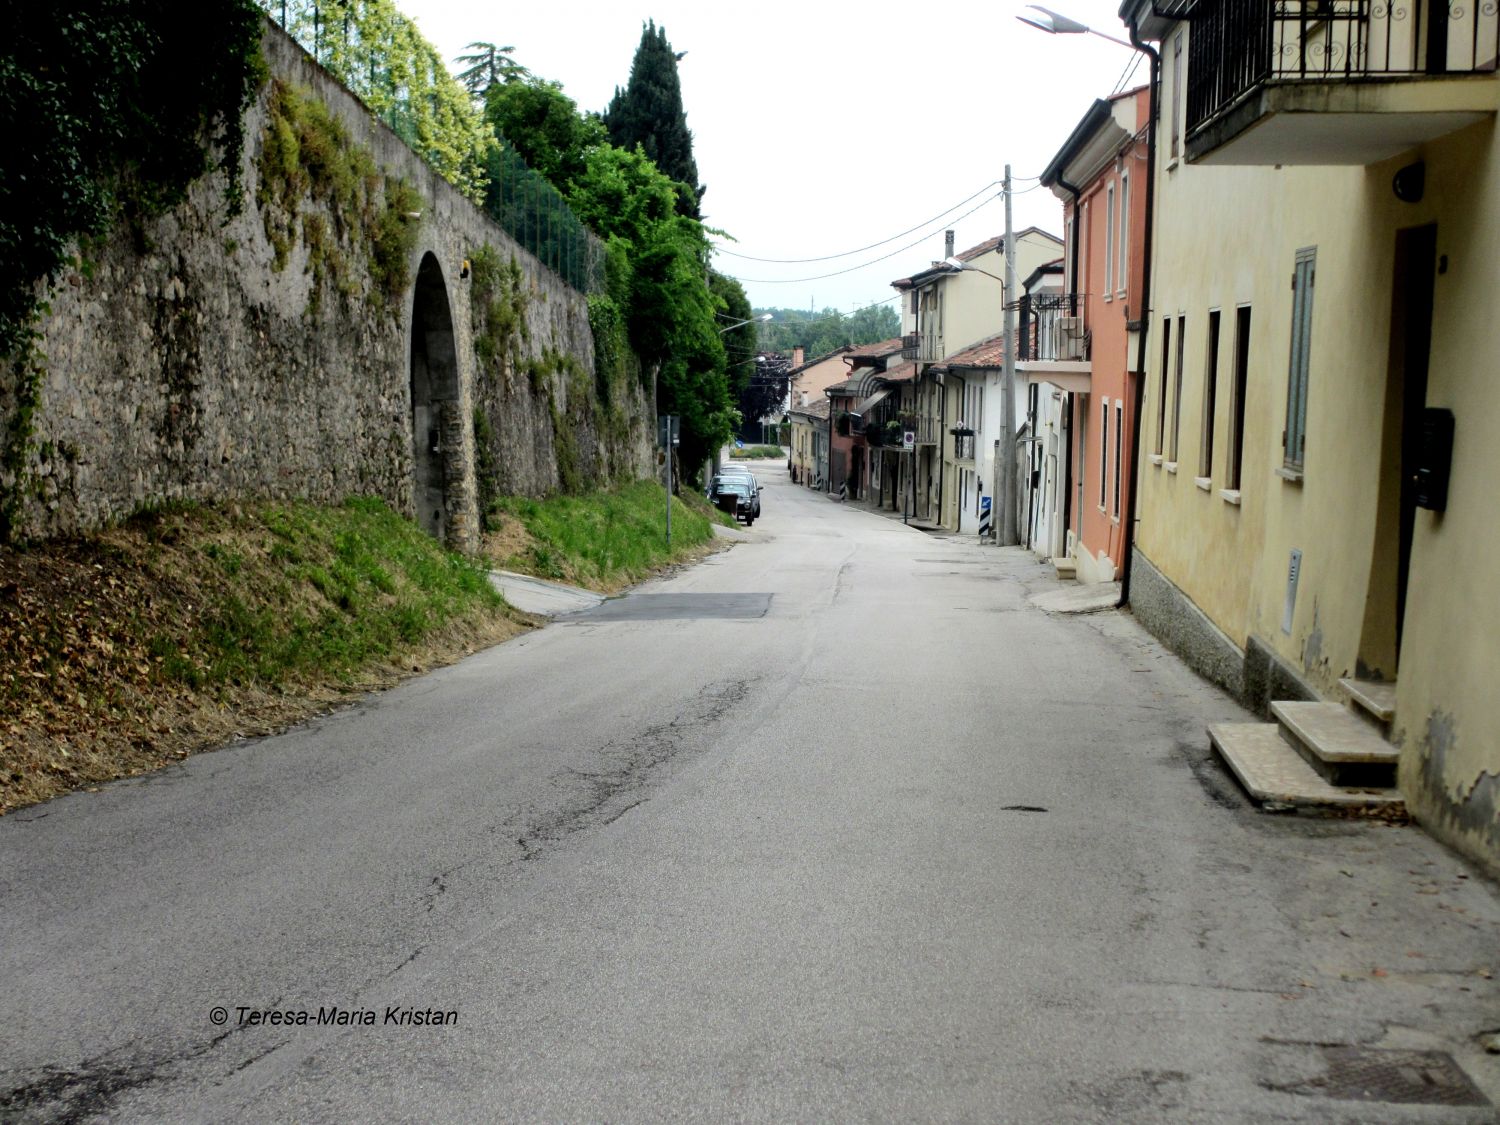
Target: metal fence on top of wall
(522,201)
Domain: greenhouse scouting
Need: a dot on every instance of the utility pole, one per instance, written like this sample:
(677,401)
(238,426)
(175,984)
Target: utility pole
(1005,455)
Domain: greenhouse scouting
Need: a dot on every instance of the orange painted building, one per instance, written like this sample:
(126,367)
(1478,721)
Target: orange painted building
(1100,175)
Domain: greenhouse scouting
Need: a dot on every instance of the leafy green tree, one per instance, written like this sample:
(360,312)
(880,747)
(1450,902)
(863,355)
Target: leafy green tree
(648,112)
(487,65)
(542,125)
(821,332)
(380,55)
(671,311)
(739,342)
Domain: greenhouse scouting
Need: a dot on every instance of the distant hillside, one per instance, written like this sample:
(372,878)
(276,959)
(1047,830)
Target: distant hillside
(821,332)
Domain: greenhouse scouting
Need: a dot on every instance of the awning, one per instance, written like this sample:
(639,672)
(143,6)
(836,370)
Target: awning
(864,407)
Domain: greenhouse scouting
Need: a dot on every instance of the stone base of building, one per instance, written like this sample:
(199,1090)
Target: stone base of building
(1255,675)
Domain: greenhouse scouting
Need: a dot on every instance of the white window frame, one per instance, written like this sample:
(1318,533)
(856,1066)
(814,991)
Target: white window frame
(1103,454)
(1109,239)
(1121,227)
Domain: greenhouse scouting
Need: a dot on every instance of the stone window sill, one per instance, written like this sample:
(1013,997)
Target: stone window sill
(1170,466)
(1155,459)
(1230,496)
(1205,483)
(1289,474)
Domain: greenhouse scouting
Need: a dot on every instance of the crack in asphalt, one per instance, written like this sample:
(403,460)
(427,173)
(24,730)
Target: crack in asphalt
(593,797)
(63,1096)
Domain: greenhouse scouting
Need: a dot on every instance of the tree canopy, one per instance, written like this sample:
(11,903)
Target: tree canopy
(659,285)
(819,333)
(380,55)
(542,125)
(648,112)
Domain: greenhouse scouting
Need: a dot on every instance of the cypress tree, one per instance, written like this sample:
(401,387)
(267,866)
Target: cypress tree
(649,113)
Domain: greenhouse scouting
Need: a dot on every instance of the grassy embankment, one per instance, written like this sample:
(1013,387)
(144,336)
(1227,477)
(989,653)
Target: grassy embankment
(188,625)
(604,541)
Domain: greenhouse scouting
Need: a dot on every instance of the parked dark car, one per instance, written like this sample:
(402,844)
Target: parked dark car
(735,497)
(736,472)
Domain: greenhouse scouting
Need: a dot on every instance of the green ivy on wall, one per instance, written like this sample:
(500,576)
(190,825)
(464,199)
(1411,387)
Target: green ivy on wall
(381,56)
(306,154)
(109,111)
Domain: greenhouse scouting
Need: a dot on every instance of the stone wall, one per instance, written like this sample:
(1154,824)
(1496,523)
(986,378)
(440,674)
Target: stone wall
(269,354)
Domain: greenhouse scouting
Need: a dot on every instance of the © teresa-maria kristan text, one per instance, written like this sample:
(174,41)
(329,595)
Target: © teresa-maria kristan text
(336,1017)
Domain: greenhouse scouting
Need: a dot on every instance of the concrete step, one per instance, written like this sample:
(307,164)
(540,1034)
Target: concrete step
(1373,700)
(1277,777)
(1337,743)
(1066,567)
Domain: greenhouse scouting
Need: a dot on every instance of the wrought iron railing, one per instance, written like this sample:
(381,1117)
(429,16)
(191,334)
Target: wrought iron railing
(1235,45)
(1050,326)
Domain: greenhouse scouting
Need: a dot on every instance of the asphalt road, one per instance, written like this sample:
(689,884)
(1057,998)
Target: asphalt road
(833,826)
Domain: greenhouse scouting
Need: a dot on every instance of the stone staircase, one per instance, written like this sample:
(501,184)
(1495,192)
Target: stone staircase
(1320,756)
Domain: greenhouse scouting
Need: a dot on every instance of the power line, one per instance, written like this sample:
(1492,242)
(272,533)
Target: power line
(874,245)
(847,253)
(872,261)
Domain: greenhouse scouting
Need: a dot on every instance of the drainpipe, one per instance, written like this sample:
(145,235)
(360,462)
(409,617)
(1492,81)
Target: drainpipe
(1145,314)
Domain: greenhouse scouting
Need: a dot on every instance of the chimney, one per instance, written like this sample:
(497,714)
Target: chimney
(797,358)
(947,245)
(804,393)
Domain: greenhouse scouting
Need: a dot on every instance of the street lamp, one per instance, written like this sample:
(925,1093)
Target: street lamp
(741,323)
(955,265)
(1053,23)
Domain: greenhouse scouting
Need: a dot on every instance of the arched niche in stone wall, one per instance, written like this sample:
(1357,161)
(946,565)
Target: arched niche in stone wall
(436,420)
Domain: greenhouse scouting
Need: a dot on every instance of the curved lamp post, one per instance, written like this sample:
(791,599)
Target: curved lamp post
(1054,23)
(741,323)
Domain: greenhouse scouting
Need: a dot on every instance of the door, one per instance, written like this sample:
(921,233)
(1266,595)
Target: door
(1410,348)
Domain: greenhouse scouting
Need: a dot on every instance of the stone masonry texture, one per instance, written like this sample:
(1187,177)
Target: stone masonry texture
(183,365)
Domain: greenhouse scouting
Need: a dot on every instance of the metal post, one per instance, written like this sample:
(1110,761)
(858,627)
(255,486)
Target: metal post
(669,481)
(1005,470)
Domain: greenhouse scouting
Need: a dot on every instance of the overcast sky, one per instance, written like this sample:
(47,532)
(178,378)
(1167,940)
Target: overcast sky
(822,128)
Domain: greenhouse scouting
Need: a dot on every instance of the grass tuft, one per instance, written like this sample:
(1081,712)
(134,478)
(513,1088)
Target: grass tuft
(189,624)
(602,540)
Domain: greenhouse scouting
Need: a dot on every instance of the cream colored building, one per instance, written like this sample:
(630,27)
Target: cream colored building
(946,310)
(1325,267)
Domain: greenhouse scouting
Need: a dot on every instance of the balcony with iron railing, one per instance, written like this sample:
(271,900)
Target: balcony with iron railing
(1335,81)
(1049,326)
(1053,344)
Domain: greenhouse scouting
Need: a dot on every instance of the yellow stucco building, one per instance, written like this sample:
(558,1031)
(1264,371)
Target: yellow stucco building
(1318,448)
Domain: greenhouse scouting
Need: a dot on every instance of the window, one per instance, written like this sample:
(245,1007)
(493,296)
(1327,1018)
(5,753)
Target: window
(1083,445)
(1122,226)
(1166,356)
(1177,389)
(1119,456)
(1210,394)
(1109,240)
(1103,452)
(1177,95)
(1237,401)
(1293,439)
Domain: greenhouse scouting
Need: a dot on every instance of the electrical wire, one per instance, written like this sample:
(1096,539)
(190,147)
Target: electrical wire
(1129,72)
(941,215)
(873,261)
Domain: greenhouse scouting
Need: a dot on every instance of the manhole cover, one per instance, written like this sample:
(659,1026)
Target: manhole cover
(1371,1074)
(677,607)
